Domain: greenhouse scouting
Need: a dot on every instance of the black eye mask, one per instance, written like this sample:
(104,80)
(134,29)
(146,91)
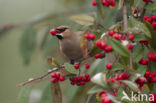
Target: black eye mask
(61,30)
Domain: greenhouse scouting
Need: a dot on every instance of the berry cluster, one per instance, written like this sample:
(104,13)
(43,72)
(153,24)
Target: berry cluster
(144,42)
(90,36)
(103,45)
(106,3)
(149,77)
(80,80)
(122,37)
(56,76)
(144,61)
(99,56)
(122,76)
(151,20)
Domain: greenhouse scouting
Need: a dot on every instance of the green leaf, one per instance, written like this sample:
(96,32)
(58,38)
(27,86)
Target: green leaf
(117,67)
(131,85)
(83,19)
(95,89)
(137,25)
(151,6)
(23,96)
(119,48)
(47,95)
(153,35)
(70,68)
(28,43)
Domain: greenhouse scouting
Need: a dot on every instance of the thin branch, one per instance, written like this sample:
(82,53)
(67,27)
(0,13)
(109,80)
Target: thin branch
(125,17)
(38,78)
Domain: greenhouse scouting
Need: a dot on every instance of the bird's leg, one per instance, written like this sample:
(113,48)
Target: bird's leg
(72,62)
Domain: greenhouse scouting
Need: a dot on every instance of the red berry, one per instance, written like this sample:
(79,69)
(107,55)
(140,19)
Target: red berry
(145,62)
(131,37)
(96,56)
(87,36)
(153,18)
(136,11)
(147,0)
(58,74)
(130,47)
(87,66)
(54,80)
(112,3)
(87,76)
(62,78)
(53,75)
(92,36)
(94,3)
(53,32)
(98,44)
(108,66)
(108,48)
(82,83)
(146,17)
(154,25)
(103,45)
(76,66)
(111,32)
(150,55)
(116,36)
(80,77)
(123,37)
(105,3)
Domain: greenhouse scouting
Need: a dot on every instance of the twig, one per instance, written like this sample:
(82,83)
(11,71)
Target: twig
(125,17)
(125,20)
(38,78)
(143,12)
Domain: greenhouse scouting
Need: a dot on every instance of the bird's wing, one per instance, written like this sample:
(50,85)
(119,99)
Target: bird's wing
(85,44)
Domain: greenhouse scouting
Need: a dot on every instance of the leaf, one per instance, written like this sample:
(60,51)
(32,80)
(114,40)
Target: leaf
(28,43)
(119,48)
(23,96)
(151,6)
(153,35)
(120,4)
(70,68)
(83,19)
(99,79)
(117,67)
(47,96)
(137,26)
(56,92)
(84,45)
(95,89)
(131,85)
(95,50)
(53,62)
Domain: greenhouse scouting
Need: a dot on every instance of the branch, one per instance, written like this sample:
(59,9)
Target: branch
(125,17)
(38,78)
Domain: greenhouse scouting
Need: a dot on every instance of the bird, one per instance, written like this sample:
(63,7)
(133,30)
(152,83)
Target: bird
(69,42)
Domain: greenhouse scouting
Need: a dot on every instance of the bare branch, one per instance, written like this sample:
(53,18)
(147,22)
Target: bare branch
(38,78)
(125,17)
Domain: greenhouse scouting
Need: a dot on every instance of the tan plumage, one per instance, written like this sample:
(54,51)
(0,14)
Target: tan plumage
(70,43)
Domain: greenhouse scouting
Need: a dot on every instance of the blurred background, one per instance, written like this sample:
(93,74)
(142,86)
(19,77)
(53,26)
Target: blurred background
(25,42)
(19,12)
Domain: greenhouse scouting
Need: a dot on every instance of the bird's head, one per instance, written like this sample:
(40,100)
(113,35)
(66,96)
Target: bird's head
(63,32)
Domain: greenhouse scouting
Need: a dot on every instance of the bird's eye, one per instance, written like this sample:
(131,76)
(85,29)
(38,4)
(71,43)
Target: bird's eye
(61,30)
